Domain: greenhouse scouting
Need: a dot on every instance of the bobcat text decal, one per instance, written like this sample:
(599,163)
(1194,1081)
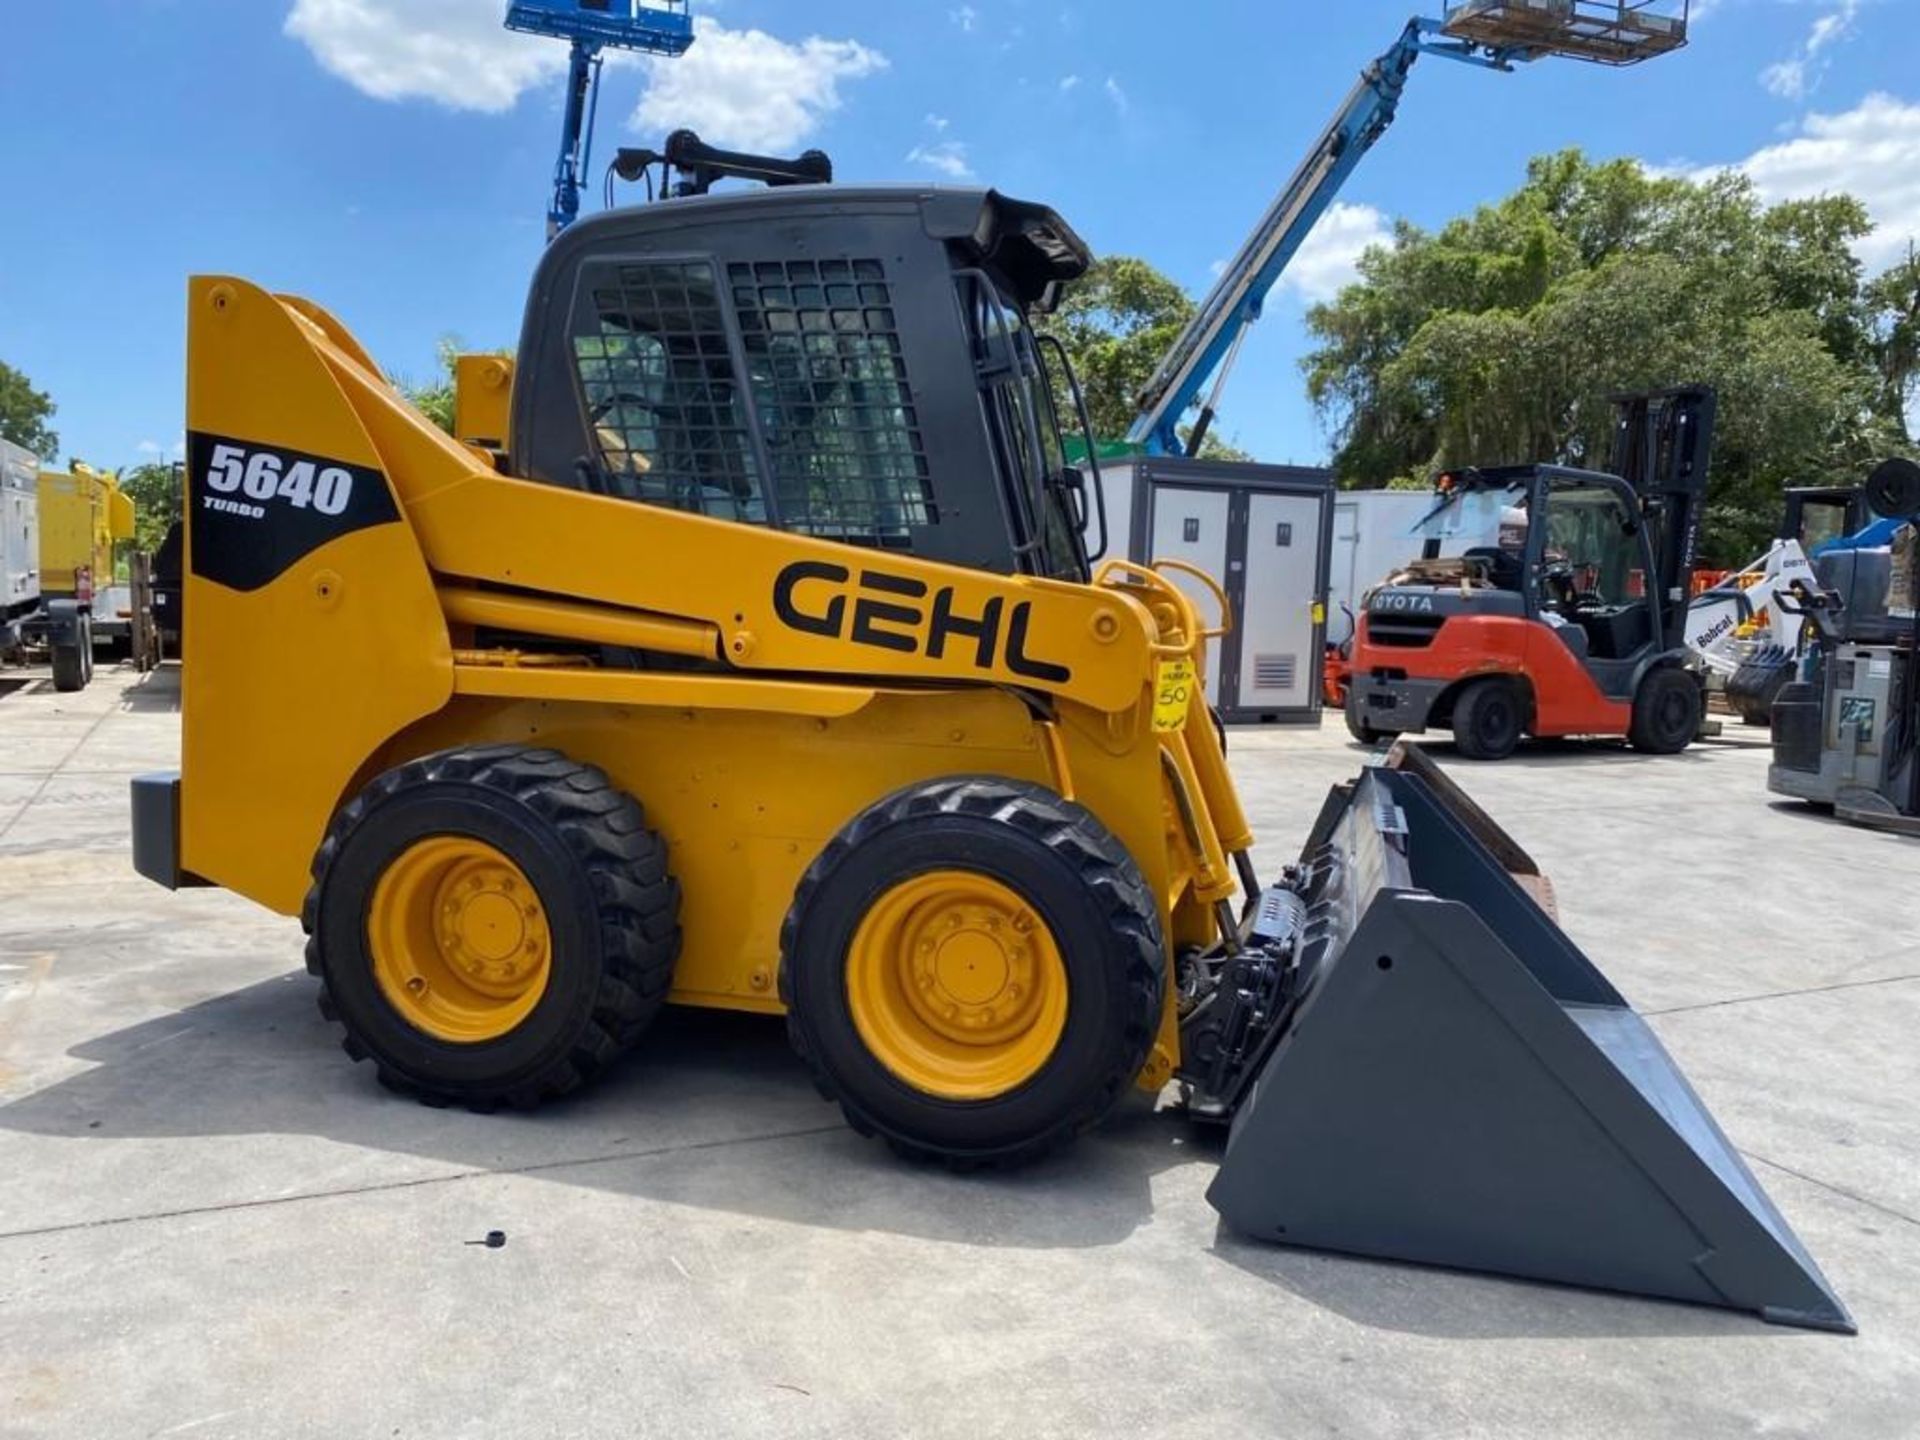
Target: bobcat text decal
(894,612)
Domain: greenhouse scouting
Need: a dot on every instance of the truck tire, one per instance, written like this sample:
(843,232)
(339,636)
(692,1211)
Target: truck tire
(1666,711)
(491,925)
(73,663)
(973,970)
(1489,718)
(69,668)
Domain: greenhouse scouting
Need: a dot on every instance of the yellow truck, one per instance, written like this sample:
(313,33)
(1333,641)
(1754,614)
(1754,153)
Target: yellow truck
(85,519)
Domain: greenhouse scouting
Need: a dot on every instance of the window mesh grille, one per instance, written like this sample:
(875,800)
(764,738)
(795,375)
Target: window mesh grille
(663,403)
(835,406)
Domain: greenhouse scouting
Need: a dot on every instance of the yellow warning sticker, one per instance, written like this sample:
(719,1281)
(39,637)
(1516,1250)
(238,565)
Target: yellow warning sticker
(1173,693)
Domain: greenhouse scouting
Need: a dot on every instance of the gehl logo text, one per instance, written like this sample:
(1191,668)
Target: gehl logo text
(899,613)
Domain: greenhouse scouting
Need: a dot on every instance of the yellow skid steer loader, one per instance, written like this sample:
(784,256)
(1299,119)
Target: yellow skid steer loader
(744,650)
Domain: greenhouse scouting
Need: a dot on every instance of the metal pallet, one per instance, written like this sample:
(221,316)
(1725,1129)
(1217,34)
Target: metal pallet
(657,27)
(1608,32)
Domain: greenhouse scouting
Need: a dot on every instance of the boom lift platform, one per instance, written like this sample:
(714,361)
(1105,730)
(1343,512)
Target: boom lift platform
(760,664)
(591,27)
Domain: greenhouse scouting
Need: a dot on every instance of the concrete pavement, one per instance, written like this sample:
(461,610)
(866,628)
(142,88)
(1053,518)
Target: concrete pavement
(211,1224)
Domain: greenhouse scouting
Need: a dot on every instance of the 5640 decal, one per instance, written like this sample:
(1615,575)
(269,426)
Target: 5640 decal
(257,510)
(268,475)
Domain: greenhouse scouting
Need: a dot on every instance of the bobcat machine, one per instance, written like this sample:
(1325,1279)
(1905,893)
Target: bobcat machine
(1848,737)
(743,651)
(1549,601)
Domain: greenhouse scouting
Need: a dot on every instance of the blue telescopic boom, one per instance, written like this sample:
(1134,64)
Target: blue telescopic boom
(653,27)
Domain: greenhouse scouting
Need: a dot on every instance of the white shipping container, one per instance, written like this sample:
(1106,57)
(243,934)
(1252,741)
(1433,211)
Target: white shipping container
(19,531)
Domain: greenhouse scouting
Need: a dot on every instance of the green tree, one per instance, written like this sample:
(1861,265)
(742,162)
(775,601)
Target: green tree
(434,398)
(24,412)
(1501,337)
(155,492)
(1116,322)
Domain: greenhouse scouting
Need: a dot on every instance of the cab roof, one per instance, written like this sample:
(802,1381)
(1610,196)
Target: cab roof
(1026,244)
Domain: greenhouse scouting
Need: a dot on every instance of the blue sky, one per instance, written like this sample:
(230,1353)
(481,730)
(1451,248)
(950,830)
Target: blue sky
(390,158)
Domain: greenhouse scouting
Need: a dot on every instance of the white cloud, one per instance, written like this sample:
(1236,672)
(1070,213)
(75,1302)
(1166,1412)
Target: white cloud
(737,87)
(1801,73)
(1117,95)
(1787,79)
(746,88)
(458,55)
(949,157)
(150,447)
(1069,82)
(1871,151)
(937,123)
(966,17)
(1327,260)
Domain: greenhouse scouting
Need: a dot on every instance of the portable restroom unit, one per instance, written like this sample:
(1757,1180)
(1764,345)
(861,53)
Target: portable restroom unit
(1262,532)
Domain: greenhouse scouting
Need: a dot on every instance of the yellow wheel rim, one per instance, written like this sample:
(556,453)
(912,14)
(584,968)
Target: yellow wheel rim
(460,943)
(956,986)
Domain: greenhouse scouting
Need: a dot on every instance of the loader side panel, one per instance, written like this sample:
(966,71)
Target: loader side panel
(746,799)
(316,634)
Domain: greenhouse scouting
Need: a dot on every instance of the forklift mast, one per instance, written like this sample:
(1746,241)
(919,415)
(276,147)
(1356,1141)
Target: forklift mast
(1663,446)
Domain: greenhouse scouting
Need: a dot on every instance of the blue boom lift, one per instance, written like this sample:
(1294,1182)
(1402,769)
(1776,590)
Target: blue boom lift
(651,27)
(1493,34)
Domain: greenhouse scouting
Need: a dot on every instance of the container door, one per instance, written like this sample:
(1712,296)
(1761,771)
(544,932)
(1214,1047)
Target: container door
(1191,525)
(1343,585)
(1279,656)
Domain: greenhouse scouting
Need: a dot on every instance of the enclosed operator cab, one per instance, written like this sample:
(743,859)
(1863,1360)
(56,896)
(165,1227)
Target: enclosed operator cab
(833,386)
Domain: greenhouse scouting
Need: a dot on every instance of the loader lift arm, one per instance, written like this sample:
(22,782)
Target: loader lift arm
(1474,33)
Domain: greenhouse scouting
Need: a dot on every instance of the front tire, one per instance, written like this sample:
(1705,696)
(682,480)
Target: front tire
(491,925)
(1488,720)
(973,969)
(1666,711)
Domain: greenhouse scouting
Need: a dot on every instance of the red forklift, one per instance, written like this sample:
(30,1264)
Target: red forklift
(1549,600)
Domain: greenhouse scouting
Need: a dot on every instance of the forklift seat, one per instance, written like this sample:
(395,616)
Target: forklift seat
(1615,632)
(1503,567)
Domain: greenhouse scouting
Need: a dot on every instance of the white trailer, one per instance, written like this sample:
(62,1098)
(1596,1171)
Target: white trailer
(1372,537)
(19,541)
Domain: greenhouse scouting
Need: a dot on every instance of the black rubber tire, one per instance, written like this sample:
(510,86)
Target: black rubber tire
(69,668)
(1489,717)
(1364,732)
(1666,711)
(1760,707)
(1088,891)
(601,874)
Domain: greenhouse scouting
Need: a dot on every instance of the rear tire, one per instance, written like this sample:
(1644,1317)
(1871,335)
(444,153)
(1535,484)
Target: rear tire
(1041,1067)
(1363,732)
(69,669)
(1488,720)
(519,820)
(1666,711)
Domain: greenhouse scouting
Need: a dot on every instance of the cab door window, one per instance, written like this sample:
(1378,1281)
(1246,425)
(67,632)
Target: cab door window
(664,412)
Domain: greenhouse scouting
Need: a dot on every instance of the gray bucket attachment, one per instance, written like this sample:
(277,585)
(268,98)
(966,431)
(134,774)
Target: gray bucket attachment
(1457,1085)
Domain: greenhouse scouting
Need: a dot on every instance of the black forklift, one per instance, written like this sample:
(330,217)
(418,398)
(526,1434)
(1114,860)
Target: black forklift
(1847,737)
